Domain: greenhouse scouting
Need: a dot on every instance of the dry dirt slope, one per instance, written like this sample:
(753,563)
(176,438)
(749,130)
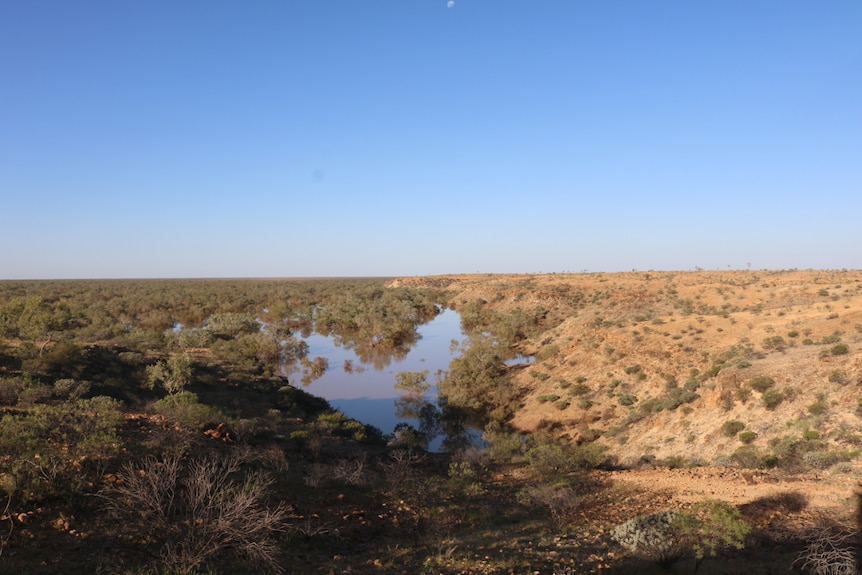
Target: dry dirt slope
(621,356)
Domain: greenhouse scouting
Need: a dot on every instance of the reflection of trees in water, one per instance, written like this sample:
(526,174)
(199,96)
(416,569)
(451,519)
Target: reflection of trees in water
(435,418)
(380,356)
(375,351)
(313,369)
(295,361)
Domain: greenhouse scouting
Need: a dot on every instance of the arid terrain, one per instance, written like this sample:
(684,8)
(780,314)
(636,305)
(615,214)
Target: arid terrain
(620,351)
(134,414)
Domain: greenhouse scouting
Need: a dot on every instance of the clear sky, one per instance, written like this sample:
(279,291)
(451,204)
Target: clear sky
(271,138)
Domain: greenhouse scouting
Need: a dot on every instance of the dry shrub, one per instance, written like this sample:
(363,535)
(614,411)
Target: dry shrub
(199,511)
(561,501)
(829,552)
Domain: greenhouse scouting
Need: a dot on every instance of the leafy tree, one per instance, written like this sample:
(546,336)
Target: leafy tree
(32,318)
(476,380)
(173,374)
(232,325)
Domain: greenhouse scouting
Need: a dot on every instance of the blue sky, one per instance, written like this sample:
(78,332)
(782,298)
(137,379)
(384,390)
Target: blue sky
(216,138)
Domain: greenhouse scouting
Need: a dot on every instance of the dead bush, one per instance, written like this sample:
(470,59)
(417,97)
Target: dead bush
(829,552)
(197,512)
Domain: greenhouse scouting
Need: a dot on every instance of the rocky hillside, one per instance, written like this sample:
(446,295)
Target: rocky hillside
(757,368)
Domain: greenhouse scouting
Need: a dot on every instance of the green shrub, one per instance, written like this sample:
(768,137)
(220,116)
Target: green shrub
(184,408)
(173,374)
(775,342)
(627,399)
(71,389)
(692,385)
(838,376)
(591,435)
(731,427)
(712,372)
(589,455)
(548,457)
(547,351)
(10,390)
(670,381)
(817,408)
(772,397)
(651,405)
(810,434)
(761,383)
(579,389)
(548,398)
(747,457)
(712,525)
(678,397)
(820,459)
(840,349)
(743,394)
(747,436)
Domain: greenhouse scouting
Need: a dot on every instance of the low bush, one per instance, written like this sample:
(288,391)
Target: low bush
(579,389)
(731,427)
(761,383)
(711,526)
(652,537)
(185,409)
(560,500)
(627,399)
(747,437)
(772,397)
(192,514)
(840,349)
(743,394)
(775,342)
(817,408)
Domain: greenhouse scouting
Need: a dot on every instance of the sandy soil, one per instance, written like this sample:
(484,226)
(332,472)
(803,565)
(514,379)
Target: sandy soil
(741,487)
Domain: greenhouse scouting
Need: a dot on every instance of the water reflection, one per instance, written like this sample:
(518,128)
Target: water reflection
(360,379)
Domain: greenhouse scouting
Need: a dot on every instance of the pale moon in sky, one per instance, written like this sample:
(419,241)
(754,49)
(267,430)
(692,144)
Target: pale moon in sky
(450,3)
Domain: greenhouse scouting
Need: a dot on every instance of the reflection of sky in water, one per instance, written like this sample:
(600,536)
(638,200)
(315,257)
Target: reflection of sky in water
(368,395)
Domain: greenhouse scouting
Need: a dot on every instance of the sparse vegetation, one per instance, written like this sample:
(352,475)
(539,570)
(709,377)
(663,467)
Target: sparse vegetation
(100,380)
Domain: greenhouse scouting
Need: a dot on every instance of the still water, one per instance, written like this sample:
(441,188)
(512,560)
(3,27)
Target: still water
(365,391)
